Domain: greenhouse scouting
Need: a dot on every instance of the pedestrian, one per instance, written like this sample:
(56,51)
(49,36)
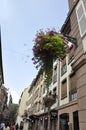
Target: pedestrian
(7,126)
(2,125)
(16,126)
(11,127)
(21,125)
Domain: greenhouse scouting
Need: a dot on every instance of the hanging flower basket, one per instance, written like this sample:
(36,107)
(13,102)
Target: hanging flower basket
(48,46)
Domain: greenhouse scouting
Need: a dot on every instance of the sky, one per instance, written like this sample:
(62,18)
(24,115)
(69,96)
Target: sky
(20,20)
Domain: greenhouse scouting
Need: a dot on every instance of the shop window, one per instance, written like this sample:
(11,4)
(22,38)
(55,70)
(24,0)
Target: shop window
(46,123)
(53,123)
(76,120)
(64,119)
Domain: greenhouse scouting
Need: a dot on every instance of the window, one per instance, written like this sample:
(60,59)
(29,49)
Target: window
(81,17)
(64,66)
(64,119)
(64,89)
(54,74)
(72,81)
(72,87)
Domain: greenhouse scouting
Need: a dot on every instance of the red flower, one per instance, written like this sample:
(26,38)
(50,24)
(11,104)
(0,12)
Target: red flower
(33,58)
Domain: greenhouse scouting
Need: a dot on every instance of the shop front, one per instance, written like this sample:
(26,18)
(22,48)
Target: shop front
(68,117)
(44,121)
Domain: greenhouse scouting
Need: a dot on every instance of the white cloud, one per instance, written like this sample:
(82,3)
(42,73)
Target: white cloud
(15,96)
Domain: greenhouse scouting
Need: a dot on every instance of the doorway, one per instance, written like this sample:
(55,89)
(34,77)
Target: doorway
(76,120)
(64,119)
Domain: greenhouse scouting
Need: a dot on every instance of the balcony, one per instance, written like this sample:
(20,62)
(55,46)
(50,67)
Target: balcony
(72,95)
(32,115)
(49,100)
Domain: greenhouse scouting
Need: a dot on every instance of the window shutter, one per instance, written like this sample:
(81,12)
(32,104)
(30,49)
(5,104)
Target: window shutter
(81,17)
(73,82)
(64,89)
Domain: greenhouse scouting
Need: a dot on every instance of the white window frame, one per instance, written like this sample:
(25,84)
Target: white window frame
(84,13)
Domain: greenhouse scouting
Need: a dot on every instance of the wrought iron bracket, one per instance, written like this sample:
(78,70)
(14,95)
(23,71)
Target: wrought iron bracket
(71,39)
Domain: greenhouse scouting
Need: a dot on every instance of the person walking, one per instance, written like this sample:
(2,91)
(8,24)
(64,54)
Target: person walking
(2,125)
(16,126)
(7,126)
(11,127)
(21,125)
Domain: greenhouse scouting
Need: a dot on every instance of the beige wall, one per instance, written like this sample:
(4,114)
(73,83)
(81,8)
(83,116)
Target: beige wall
(22,105)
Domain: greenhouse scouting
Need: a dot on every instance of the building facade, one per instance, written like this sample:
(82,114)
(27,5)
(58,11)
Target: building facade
(75,26)
(38,116)
(3,90)
(22,110)
(1,64)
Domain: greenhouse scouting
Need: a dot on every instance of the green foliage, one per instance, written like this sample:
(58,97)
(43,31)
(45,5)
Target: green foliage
(13,111)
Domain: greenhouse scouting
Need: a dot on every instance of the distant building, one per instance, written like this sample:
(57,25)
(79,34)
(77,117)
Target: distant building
(3,98)
(3,90)
(22,106)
